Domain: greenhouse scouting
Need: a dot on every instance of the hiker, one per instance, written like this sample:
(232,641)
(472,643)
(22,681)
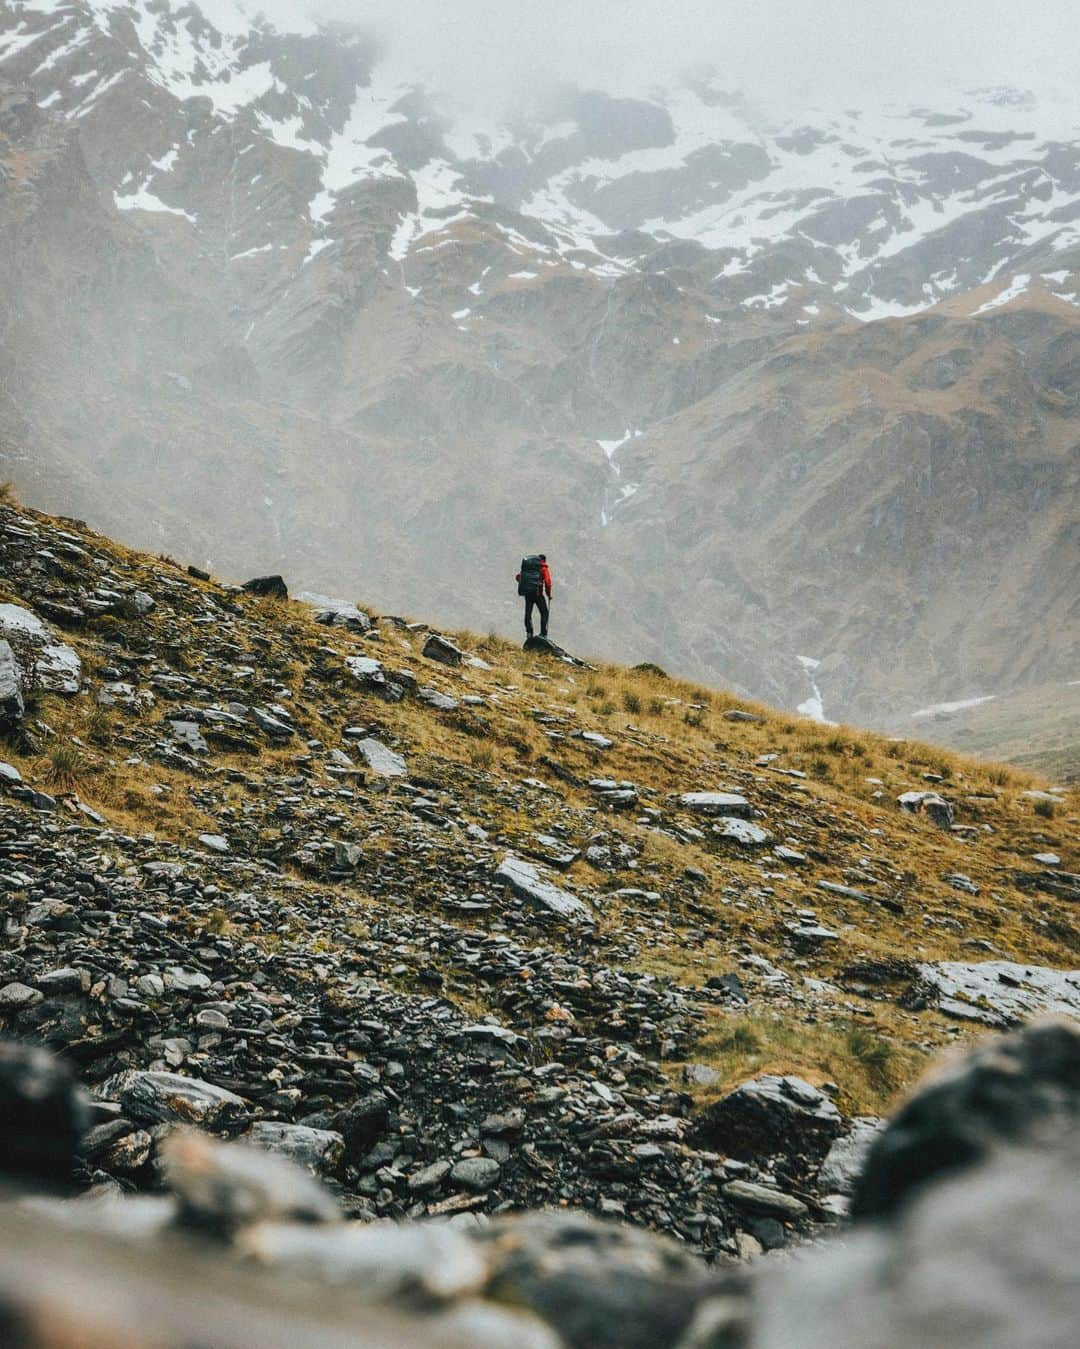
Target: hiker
(534,583)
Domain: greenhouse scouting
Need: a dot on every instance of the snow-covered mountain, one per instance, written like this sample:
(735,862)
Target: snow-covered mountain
(630,321)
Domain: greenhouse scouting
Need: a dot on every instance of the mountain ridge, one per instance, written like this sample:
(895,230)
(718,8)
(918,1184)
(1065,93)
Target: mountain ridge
(348,301)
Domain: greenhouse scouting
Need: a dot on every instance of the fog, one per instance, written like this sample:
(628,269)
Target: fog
(780,52)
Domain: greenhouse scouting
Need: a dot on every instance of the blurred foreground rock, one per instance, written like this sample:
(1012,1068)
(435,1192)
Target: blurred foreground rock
(243,1246)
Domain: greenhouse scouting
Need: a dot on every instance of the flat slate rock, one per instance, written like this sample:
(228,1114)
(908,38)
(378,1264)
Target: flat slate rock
(525,880)
(1000,992)
(168,1098)
(715,803)
(743,832)
(382,761)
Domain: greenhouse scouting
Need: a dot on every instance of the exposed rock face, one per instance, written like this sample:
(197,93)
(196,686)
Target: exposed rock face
(930,804)
(34,657)
(1000,992)
(12,704)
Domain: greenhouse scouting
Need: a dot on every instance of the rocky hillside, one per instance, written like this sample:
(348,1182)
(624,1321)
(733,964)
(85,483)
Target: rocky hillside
(770,392)
(468,929)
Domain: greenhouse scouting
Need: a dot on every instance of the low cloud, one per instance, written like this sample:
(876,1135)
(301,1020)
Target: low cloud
(783,54)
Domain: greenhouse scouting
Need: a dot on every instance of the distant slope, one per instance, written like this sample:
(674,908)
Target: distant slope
(268,303)
(1038,728)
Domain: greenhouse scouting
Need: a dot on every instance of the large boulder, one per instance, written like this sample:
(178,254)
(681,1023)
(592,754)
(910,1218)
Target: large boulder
(772,1115)
(267,587)
(1017,1089)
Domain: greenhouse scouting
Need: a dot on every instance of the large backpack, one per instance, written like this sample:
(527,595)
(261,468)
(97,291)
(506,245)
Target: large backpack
(531,575)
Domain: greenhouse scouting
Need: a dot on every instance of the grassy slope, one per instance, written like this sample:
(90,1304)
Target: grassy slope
(670,737)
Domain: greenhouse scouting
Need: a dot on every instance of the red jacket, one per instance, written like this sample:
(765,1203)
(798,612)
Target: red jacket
(545,578)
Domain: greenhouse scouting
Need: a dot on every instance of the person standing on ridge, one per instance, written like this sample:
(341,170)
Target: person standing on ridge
(534,583)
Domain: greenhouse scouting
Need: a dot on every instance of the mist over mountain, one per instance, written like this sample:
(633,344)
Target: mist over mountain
(765,339)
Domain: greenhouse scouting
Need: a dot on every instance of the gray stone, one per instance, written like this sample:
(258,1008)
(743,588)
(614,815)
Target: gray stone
(14,997)
(762,1199)
(743,832)
(273,726)
(597,740)
(442,702)
(443,650)
(985,1261)
(214,843)
(769,1115)
(9,774)
(430,1261)
(807,933)
(168,1098)
(715,803)
(12,706)
(189,735)
(847,1155)
(525,880)
(1010,1091)
(229,1185)
(1001,993)
(43,1115)
(476,1173)
(930,804)
(347,856)
(317,1149)
(430,1178)
(40,659)
(383,762)
(267,587)
(700,1075)
(185,981)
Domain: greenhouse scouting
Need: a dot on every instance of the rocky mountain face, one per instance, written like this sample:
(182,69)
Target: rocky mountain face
(332,942)
(766,390)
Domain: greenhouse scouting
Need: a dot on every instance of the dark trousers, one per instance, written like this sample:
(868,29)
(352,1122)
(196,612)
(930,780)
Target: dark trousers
(542,604)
